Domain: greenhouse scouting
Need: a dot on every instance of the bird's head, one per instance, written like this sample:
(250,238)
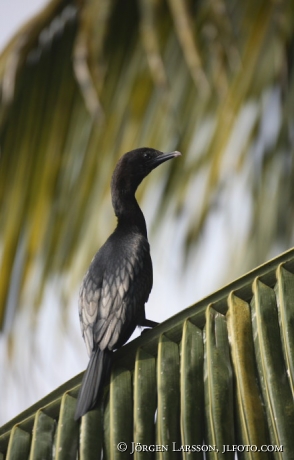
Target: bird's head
(133,166)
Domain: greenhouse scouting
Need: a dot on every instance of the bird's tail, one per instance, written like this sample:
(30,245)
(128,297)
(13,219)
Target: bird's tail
(93,381)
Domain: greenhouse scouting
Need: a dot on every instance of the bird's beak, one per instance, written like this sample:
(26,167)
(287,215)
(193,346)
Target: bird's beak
(164,157)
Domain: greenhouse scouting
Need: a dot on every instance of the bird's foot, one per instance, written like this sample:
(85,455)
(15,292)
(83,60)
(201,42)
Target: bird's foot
(148,323)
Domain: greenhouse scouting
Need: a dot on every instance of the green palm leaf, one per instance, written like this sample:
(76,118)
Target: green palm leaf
(79,86)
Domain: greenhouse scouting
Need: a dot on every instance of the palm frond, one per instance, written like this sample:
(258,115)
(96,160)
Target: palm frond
(80,85)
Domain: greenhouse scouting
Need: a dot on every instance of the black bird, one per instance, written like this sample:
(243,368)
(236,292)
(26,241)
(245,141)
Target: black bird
(119,279)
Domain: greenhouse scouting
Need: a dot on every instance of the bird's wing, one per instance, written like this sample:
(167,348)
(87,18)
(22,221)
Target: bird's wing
(89,299)
(111,305)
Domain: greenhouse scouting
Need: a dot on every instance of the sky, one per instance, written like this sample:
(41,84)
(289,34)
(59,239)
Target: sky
(166,296)
(13,13)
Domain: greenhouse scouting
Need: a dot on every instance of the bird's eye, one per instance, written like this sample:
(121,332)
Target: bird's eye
(147,156)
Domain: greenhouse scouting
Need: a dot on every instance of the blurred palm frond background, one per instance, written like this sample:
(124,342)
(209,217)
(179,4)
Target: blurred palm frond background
(85,81)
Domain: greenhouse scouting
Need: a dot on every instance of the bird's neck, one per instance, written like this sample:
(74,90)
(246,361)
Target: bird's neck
(128,213)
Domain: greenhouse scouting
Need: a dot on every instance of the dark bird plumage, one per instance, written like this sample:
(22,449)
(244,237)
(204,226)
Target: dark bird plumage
(119,280)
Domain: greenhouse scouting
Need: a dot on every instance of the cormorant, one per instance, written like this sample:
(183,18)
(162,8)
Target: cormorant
(119,280)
